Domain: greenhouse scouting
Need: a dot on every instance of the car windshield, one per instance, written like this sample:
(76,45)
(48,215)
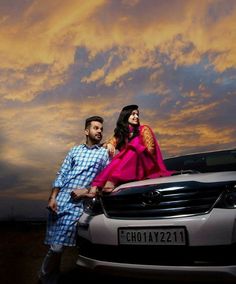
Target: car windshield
(204,162)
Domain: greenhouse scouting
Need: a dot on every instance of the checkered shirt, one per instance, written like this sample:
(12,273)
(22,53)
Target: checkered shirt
(79,168)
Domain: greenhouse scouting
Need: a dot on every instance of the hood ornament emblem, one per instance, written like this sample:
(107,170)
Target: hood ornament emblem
(151,198)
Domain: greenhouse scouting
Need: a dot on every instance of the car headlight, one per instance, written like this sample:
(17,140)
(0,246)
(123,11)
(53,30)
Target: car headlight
(92,206)
(228,199)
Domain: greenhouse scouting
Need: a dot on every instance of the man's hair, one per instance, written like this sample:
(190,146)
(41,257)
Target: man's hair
(92,118)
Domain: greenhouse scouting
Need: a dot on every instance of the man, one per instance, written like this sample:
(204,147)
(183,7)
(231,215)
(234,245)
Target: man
(80,166)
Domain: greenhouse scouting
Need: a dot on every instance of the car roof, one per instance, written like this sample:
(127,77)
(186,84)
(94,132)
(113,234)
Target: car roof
(202,153)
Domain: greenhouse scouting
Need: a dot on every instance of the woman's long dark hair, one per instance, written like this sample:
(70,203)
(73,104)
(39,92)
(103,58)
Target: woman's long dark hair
(121,132)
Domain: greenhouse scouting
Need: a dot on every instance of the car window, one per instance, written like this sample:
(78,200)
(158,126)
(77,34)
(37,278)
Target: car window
(221,159)
(204,162)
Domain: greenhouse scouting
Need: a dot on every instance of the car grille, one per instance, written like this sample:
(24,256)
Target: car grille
(164,200)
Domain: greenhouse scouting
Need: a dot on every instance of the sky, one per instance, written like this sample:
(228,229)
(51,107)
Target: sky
(64,60)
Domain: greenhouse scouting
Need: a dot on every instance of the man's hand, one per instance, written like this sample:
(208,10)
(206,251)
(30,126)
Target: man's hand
(78,193)
(52,204)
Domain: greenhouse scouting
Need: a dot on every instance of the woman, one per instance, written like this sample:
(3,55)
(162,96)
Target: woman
(139,155)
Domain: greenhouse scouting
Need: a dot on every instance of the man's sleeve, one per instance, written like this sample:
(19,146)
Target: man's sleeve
(63,172)
(106,159)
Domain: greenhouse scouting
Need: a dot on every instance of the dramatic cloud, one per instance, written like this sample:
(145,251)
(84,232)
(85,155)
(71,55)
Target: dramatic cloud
(62,61)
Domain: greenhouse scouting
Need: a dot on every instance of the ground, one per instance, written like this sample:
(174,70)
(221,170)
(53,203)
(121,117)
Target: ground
(22,251)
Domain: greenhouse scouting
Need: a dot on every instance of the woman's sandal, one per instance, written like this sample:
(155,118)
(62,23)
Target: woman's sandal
(107,189)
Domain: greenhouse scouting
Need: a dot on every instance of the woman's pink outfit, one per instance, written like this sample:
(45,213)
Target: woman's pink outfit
(134,162)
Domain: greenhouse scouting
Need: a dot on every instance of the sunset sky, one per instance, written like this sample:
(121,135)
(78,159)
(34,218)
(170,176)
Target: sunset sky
(64,60)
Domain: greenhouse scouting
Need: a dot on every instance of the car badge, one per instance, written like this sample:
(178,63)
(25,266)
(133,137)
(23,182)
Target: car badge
(151,198)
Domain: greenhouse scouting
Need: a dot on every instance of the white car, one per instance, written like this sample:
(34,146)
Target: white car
(178,227)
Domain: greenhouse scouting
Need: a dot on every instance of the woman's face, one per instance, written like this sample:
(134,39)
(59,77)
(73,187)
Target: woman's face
(134,118)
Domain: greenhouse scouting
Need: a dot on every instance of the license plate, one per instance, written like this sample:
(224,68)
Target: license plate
(152,236)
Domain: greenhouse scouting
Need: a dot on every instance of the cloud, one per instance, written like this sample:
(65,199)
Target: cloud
(129,31)
(62,61)
(45,31)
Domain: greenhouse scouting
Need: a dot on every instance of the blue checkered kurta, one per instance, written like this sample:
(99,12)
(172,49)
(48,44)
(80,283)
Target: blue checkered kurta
(78,170)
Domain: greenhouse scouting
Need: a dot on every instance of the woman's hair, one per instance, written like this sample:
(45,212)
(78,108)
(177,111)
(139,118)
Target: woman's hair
(121,132)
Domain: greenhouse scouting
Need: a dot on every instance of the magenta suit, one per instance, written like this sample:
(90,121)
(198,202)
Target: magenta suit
(140,159)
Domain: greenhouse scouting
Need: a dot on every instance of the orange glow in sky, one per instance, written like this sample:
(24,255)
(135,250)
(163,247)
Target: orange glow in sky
(64,60)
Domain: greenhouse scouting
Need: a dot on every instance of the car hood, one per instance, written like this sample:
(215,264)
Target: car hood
(178,195)
(188,177)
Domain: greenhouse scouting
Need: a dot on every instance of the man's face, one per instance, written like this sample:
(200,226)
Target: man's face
(94,132)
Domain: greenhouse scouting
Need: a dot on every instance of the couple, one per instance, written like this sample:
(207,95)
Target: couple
(87,169)
(139,155)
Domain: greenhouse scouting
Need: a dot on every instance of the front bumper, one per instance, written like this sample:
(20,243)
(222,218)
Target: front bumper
(160,255)
(209,254)
(215,274)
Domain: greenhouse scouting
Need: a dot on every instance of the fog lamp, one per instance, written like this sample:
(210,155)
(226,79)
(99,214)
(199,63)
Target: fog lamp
(92,206)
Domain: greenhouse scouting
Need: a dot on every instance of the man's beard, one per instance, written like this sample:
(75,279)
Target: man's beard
(96,139)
